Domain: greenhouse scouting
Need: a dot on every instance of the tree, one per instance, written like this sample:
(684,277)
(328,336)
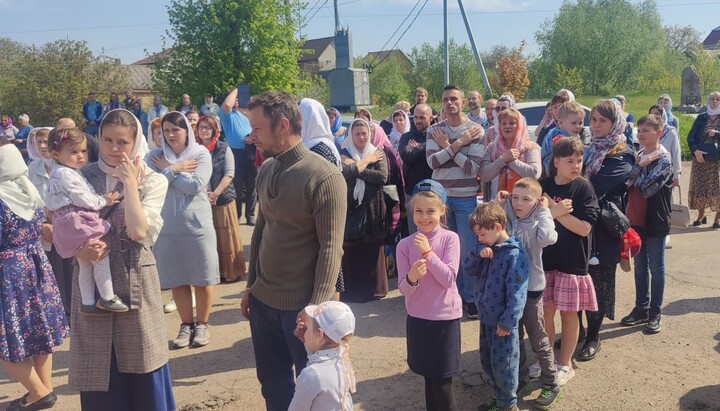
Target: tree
(428,68)
(389,80)
(491,58)
(220,43)
(570,78)
(53,81)
(606,39)
(685,39)
(513,72)
(707,67)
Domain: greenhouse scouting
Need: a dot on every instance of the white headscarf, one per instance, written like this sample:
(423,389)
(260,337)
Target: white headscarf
(359,192)
(712,112)
(192,147)
(316,127)
(16,189)
(33,152)
(396,134)
(140,149)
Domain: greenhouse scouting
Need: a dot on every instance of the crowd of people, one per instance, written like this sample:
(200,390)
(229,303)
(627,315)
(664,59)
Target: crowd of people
(475,216)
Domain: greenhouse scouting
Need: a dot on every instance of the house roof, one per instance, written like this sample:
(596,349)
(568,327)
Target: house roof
(152,59)
(378,56)
(315,48)
(712,39)
(140,77)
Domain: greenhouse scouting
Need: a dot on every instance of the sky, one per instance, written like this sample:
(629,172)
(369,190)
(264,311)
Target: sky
(132,29)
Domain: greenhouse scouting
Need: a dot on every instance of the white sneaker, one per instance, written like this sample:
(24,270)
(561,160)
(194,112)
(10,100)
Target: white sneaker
(170,306)
(564,374)
(534,371)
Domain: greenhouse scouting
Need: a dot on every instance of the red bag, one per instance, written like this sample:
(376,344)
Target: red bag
(631,244)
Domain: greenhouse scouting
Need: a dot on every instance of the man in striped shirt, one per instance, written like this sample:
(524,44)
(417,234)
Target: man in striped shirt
(454,152)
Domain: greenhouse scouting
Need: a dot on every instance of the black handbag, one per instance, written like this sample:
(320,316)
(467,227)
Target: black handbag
(712,153)
(613,220)
(356,223)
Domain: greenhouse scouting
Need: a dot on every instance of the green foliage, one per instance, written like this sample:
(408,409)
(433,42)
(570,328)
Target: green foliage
(708,68)
(685,39)
(53,81)
(570,78)
(317,89)
(428,69)
(389,80)
(220,43)
(606,39)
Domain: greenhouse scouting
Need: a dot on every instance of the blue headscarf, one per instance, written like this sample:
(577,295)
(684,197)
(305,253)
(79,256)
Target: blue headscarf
(668,112)
(335,126)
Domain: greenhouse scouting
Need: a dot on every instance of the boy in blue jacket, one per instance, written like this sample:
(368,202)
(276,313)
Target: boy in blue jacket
(501,268)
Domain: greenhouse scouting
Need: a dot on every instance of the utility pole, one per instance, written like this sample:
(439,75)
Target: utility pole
(446,51)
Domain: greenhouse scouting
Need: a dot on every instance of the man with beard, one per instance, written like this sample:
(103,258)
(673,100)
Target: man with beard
(296,246)
(454,152)
(477,114)
(412,151)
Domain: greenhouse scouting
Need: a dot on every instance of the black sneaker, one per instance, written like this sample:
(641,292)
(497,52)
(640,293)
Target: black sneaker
(549,396)
(523,388)
(653,324)
(637,316)
(488,406)
(472,311)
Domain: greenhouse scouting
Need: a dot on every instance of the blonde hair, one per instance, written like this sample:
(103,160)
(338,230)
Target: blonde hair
(510,113)
(401,105)
(570,107)
(530,184)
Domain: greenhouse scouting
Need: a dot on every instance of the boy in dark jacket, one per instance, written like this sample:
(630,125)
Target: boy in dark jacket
(649,213)
(501,269)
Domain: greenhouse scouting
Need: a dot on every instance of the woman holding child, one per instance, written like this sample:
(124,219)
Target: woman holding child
(510,157)
(128,369)
(608,162)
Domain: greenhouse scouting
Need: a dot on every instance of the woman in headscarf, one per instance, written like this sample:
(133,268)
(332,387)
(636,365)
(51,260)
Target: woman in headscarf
(396,207)
(506,101)
(317,136)
(671,142)
(186,249)
(128,350)
(39,174)
(387,124)
(7,130)
(704,180)
(185,104)
(336,128)
(33,321)
(221,194)
(365,171)
(510,157)
(401,125)
(608,163)
(665,101)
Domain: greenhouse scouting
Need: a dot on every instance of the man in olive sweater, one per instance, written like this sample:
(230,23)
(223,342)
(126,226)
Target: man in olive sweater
(296,245)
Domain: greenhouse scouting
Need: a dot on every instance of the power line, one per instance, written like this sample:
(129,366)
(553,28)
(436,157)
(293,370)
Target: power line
(403,33)
(316,12)
(396,30)
(84,28)
(308,11)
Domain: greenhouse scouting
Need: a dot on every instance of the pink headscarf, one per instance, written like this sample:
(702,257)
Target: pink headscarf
(520,142)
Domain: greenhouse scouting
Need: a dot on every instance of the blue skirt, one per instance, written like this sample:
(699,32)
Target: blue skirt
(132,392)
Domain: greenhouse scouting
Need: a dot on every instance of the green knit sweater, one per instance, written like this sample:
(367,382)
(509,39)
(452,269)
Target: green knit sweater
(297,243)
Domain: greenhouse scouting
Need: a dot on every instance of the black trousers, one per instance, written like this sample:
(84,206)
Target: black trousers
(439,395)
(244,181)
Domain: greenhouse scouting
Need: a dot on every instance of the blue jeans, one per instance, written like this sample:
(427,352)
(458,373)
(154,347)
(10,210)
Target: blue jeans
(458,220)
(500,359)
(277,349)
(649,291)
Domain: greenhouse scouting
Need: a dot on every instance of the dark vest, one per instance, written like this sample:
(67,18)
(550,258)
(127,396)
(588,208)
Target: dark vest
(218,161)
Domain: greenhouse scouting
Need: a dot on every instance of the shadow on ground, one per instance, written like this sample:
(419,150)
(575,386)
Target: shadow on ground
(697,305)
(701,398)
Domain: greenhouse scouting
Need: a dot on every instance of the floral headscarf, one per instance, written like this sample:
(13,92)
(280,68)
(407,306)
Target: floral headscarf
(601,144)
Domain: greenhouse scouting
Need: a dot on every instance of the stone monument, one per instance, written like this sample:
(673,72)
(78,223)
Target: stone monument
(690,94)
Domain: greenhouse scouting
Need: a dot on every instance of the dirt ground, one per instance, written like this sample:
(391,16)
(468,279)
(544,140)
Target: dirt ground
(676,369)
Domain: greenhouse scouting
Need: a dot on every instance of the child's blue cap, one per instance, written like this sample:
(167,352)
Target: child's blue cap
(432,186)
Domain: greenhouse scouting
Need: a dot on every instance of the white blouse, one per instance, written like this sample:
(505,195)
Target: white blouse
(68,187)
(156,186)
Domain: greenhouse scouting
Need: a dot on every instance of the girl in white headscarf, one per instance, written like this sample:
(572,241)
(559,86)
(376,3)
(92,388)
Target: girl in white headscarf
(33,318)
(186,250)
(401,125)
(366,171)
(316,133)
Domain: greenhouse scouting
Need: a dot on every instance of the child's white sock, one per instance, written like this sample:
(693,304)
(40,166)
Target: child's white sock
(86,282)
(103,278)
